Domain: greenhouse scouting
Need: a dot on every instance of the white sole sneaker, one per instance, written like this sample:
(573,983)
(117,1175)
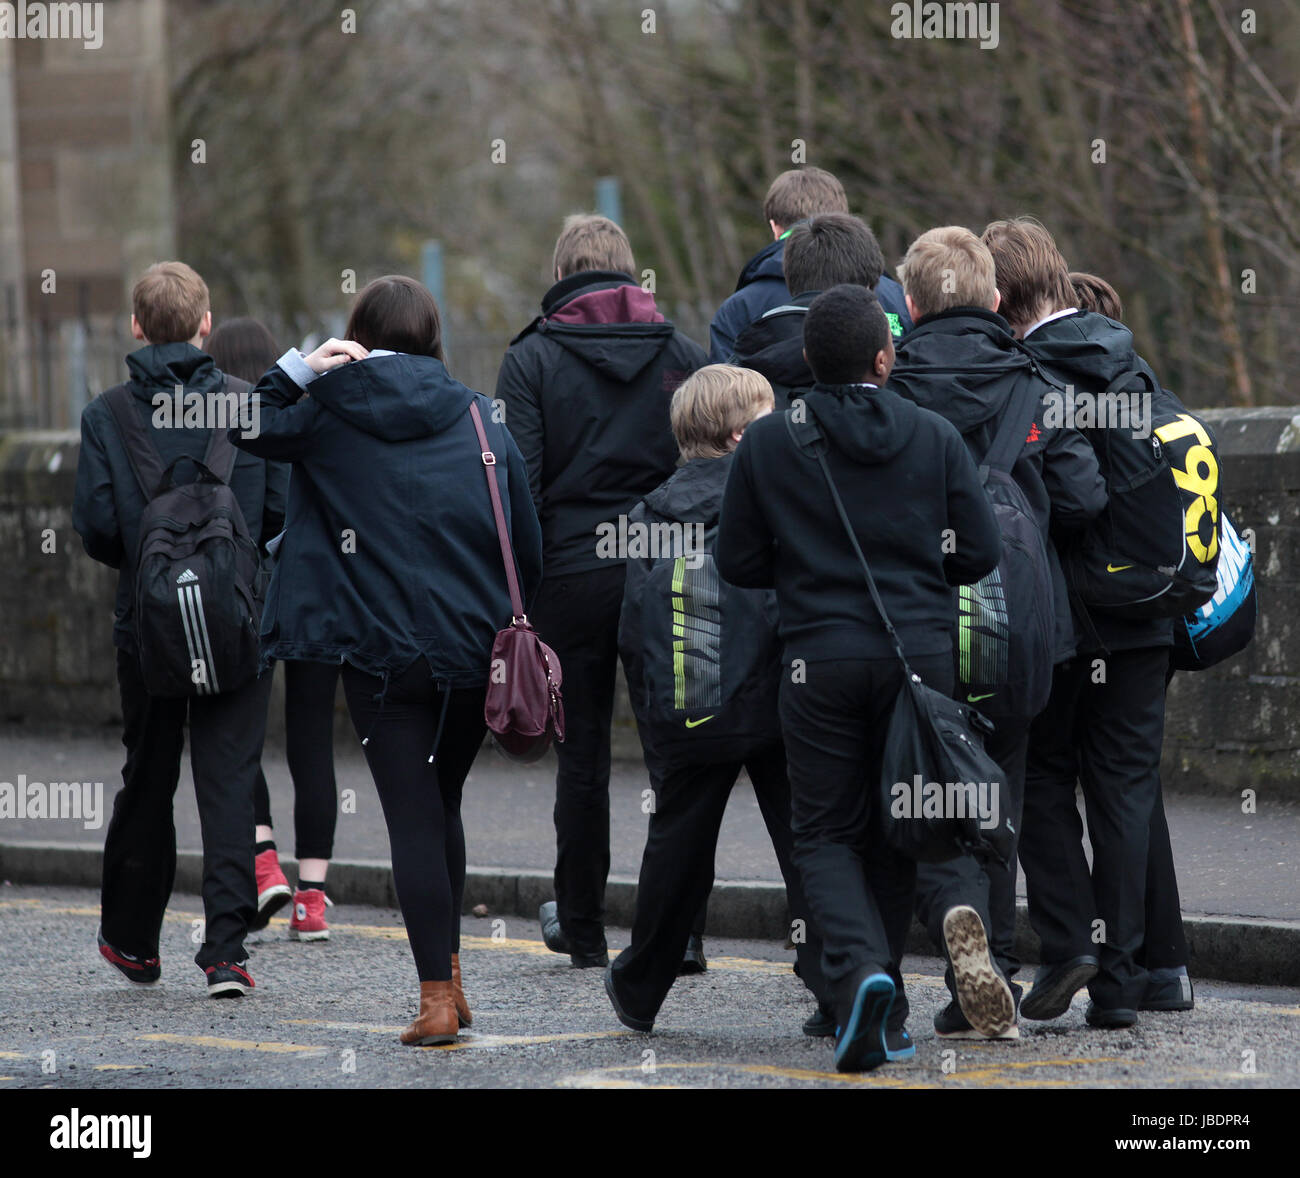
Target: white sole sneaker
(984,997)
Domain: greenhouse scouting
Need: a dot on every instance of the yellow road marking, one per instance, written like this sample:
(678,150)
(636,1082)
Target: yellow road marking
(119,1067)
(233,1044)
(470,1040)
(13,1055)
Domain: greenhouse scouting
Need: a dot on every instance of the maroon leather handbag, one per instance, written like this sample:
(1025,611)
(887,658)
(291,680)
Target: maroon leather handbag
(524,709)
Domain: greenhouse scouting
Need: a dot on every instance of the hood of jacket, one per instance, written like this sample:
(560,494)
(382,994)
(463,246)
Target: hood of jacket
(773,344)
(157,367)
(606,320)
(767,263)
(869,425)
(1085,347)
(693,493)
(962,363)
(395,398)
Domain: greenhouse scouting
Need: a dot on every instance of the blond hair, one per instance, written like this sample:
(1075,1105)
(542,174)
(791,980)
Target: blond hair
(948,267)
(591,242)
(169,301)
(713,403)
(799,193)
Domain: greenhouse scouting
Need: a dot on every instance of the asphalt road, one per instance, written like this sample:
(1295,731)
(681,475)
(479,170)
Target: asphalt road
(328,1016)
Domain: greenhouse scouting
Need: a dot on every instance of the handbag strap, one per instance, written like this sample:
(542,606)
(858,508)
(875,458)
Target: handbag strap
(507,553)
(814,443)
(1010,440)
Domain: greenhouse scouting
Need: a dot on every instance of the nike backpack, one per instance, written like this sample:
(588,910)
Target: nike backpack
(197,603)
(711,660)
(1006,621)
(1153,551)
(1224,625)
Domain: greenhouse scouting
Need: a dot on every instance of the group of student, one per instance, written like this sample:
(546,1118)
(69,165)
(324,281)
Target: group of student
(756,649)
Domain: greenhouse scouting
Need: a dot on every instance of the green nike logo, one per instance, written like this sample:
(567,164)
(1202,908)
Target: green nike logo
(974,699)
(697,723)
(1117,568)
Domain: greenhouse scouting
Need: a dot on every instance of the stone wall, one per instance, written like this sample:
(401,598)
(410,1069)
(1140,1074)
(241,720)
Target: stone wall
(1227,729)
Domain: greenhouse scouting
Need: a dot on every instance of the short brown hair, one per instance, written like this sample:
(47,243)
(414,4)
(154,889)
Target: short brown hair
(591,242)
(399,314)
(1096,294)
(948,267)
(169,301)
(712,404)
(1033,277)
(797,194)
(828,249)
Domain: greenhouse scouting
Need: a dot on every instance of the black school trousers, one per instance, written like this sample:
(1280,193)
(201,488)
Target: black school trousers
(420,741)
(677,869)
(1107,736)
(577,616)
(834,716)
(226,733)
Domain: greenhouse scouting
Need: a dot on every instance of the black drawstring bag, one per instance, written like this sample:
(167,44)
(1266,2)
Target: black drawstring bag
(936,778)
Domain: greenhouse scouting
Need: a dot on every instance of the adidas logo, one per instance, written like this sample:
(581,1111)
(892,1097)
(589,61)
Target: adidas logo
(187,577)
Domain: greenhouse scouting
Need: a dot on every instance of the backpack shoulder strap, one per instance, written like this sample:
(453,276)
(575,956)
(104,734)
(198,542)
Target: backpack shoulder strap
(1009,441)
(141,453)
(221,455)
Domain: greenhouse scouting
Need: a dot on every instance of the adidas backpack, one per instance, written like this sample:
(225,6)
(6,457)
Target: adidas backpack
(1006,621)
(197,603)
(1153,550)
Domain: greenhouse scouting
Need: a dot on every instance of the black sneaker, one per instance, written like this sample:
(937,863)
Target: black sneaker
(1109,1018)
(860,1046)
(1168,994)
(143,971)
(982,993)
(229,979)
(898,1044)
(693,960)
(552,934)
(1056,985)
(820,1024)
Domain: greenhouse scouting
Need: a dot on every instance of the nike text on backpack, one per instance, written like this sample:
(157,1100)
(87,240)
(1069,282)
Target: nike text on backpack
(1006,621)
(1152,552)
(197,602)
(1225,624)
(930,737)
(524,708)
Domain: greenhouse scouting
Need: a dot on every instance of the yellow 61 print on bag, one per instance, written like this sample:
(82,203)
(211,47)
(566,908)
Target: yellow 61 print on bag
(1198,479)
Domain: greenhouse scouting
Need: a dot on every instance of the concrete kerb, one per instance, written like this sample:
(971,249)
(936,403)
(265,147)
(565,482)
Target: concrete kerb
(1233,949)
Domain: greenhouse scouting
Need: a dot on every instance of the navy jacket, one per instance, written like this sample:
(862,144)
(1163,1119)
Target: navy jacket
(108,501)
(761,287)
(965,365)
(390,550)
(905,477)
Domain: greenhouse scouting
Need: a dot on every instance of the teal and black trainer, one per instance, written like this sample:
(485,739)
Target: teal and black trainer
(861,1044)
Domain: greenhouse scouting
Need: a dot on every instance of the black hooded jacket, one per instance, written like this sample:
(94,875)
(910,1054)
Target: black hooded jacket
(390,549)
(965,365)
(108,501)
(905,478)
(1088,351)
(586,389)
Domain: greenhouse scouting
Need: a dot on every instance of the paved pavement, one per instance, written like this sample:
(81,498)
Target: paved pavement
(1229,863)
(328,1016)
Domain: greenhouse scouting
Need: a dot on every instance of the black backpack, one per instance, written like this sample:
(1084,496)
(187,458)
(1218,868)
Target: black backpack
(711,662)
(197,603)
(1006,621)
(1153,551)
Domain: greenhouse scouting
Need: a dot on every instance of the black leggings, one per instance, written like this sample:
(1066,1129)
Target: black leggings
(419,784)
(309,739)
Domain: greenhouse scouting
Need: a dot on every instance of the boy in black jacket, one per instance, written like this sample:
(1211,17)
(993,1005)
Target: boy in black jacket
(1104,724)
(171,317)
(703,666)
(910,486)
(586,389)
(824,251)
(961,360)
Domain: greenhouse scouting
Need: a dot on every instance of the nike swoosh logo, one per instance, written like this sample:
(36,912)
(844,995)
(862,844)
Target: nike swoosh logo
(974,699)
(1117,568)
(697,723)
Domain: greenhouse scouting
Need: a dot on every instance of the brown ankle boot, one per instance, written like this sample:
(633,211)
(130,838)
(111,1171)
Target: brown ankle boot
(462,1007)
(436,1022)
